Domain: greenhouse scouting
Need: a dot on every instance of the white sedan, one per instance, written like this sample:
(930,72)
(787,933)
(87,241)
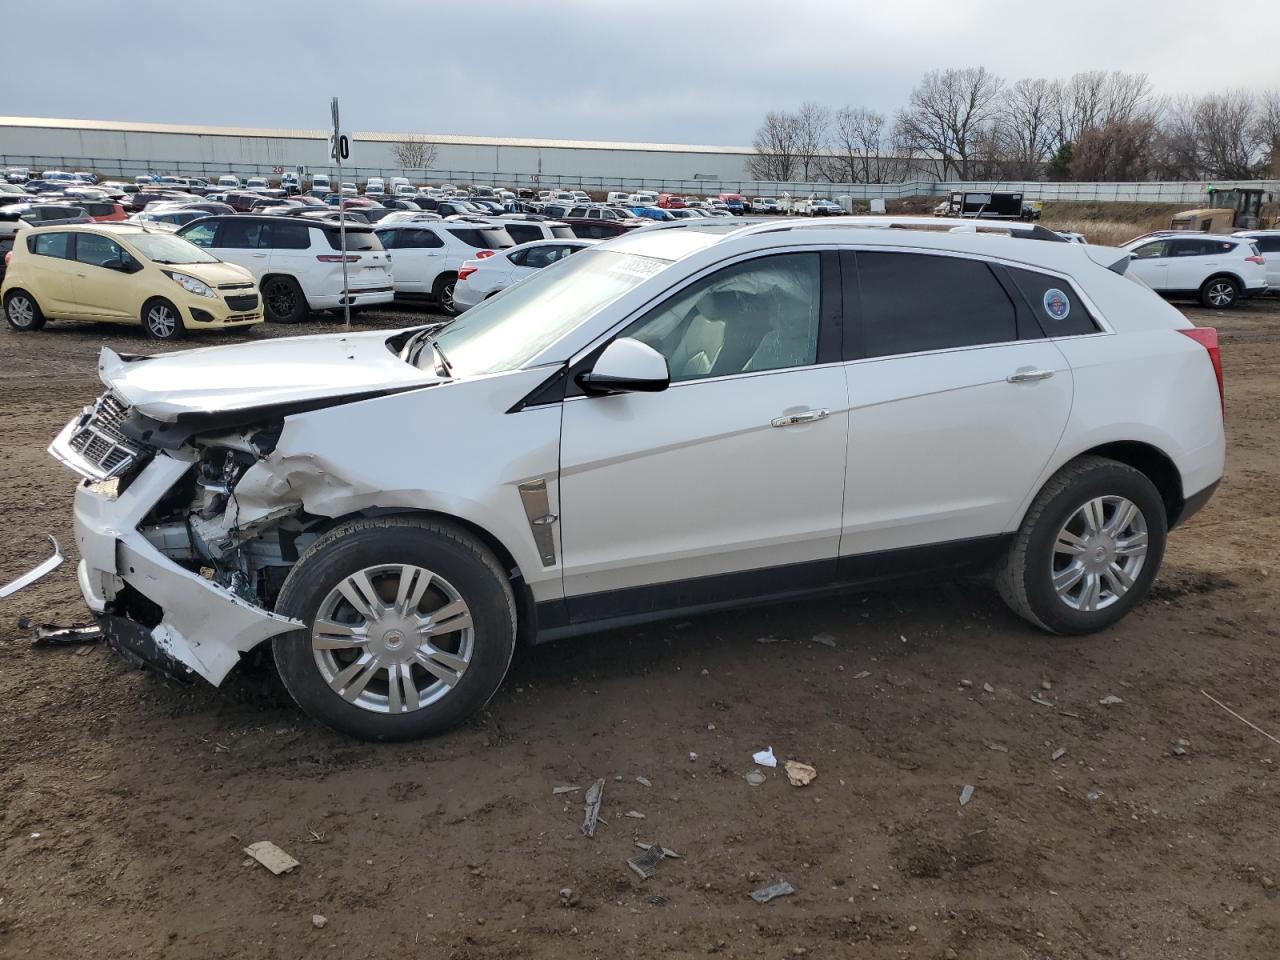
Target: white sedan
(480,279)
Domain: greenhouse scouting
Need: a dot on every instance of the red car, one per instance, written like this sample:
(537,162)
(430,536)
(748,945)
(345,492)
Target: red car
(670,201)
(100,211)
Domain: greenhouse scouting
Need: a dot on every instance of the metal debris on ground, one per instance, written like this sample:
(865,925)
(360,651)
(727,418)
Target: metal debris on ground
(556,791)
(1110,700)
(35,573)
(826,639)
(666,851)
(634,814)
(1243,720)
(862,674)
(644,781)
(800,774)
(754,777)
(966,794)
(591,807)
(271,857)
(52,635)
(646,864)
(779,889)
(1059,753)
(1036,698)
(765,757)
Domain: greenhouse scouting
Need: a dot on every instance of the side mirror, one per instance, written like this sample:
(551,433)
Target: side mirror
(627,366)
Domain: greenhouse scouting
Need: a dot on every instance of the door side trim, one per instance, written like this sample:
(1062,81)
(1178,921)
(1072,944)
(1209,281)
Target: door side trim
(610,609)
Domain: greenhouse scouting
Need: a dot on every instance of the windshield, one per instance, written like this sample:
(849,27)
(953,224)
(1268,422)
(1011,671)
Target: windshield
(513,328)
(165,248)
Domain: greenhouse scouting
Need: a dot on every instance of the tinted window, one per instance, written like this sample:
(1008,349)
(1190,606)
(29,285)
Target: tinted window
(357,240)
(286,236)
(49,244)
(761,314)
(1055,304)
(561,231)
(201,234)
(96,250)
(914,302)
(523,232)
(1268,244)
(518,257)
(1157,248)
(483,238)
(238,234)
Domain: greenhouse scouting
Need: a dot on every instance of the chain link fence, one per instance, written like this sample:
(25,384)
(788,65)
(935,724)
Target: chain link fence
(1143,192)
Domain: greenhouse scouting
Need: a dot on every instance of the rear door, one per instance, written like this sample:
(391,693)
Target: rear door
(286,244)
(237,241)
(957,400)
(1269,247)
(416,259)
(1191,260)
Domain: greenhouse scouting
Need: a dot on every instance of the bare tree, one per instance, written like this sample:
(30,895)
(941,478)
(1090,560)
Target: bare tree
(414,153)
(1267,130)
(947,114)
(812,123)
(859,149)
(1178,147)
(777,147)
(1026,126)
(1226,125)
(1117,150)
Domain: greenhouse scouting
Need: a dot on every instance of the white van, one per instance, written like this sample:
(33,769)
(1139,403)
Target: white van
(375,187)
(320,183)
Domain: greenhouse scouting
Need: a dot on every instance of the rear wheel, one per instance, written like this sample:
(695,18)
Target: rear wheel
(22,311)
(443,292)
(161,320)
(1220,293)
(410,628)
(1087,550)
(283,300)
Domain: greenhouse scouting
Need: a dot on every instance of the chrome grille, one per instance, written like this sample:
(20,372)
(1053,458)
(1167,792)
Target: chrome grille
(98,447)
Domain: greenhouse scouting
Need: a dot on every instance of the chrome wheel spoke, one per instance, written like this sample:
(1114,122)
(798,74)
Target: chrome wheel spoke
(1068,578)
(1125,512)
(352,679)
(1092,592)
(450,617)
(330,635)
(441,664)
(1068,543)
(402,692)
(1120,580)
(1134,546)
(361,595)
(413,584)
(1106,556)
(1092,513)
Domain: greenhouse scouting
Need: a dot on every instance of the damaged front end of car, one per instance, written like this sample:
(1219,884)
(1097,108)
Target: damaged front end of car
(186,533)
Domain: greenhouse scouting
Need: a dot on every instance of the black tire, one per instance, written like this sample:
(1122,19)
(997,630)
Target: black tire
(1220,293)
(446,551)
(1025,576)
(283,300)
(443,292)
(22,311)
(161,320)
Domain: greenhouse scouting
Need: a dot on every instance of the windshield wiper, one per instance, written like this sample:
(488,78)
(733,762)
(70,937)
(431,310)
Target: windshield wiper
(444,361)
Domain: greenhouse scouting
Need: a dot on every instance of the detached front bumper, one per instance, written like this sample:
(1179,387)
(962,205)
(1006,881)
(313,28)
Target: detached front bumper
(203,626)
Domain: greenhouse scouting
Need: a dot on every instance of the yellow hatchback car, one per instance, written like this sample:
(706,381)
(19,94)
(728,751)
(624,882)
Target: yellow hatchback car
(124,273)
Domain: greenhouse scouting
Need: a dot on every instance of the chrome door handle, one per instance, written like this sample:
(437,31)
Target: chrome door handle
(1029,375)
(809,416)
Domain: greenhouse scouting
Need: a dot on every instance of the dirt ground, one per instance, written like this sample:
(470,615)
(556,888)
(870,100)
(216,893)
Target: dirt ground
(126,800)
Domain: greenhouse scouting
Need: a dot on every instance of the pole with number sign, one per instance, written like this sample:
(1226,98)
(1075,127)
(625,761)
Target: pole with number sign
(340,150)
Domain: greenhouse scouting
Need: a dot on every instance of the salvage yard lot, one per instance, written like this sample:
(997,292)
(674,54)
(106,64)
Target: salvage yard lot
(126,800)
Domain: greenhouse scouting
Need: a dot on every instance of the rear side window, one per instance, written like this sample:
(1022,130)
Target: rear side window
(238,234)
(560,232)
(916,302)
(1268,244)
(1054,303)
(49,244)
(286,236)
(483,238)
(523,232)
(357,240)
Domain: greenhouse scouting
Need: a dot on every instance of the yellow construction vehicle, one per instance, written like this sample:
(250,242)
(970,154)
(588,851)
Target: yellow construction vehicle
(1235,208)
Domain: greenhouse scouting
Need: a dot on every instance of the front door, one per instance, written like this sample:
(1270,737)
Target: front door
(1150,264)
(105,292)
(728,483)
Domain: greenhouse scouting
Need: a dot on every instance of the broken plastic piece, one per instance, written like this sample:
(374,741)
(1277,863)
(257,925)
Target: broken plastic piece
(591,807)
(646,864)
(765,757)
(779,889)
(966,794)
(52,635)
(35,573)
(271,857)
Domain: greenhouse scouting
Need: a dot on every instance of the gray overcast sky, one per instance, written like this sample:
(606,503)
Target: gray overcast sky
(684,71)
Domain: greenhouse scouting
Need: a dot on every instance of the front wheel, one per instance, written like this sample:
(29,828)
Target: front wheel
(283,300)
(161,321)
(410,628)
(1087,550)
(1221,293)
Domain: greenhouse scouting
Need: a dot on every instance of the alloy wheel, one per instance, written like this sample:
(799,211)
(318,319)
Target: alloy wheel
(1099,553)
(1221,293)
(393,638)
(162,321)
(281,298)
(22,313)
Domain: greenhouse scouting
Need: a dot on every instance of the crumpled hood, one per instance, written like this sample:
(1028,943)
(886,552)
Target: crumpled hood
(247,375)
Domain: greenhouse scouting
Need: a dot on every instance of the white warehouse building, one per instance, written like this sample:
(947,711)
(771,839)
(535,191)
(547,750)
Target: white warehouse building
(117,148)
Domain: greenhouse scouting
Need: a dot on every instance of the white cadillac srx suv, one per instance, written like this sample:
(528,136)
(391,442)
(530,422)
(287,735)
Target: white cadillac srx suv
(686,417)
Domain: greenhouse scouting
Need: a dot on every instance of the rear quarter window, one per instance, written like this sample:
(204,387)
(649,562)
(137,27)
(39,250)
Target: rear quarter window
(357,240)
(1055,304)
(483,238)
(49,244)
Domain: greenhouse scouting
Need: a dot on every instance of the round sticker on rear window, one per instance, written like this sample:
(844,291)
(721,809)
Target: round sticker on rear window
(1056,304)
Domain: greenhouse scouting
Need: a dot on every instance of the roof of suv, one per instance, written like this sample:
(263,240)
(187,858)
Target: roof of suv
(315,222)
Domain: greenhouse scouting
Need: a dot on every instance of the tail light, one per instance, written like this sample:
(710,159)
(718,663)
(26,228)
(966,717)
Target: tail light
(8,258)
(1207,337)
(337,258)
(1258,259)
(484,254)
(465,272)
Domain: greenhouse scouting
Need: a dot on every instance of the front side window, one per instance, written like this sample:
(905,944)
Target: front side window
(167,248)
(201,234)
(1150,251)
(914,302)
(760,314)
(97,251)
(50,244)
(240,234)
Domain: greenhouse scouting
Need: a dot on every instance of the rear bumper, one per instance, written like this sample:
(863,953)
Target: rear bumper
(1195,503)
